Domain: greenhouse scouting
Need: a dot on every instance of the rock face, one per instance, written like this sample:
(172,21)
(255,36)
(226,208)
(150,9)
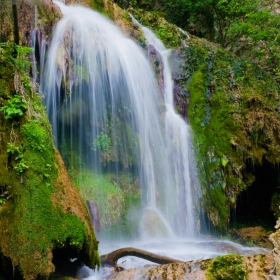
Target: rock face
(252,235)
(228,267)
(43,220)
(275,239)
(42,14)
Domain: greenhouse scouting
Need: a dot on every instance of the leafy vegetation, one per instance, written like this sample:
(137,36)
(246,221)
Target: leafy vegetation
(250,29)
(15,108)
(102,142)
(18,152)
(12,55)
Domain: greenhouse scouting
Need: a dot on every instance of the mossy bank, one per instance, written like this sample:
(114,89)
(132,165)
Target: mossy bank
(43,220)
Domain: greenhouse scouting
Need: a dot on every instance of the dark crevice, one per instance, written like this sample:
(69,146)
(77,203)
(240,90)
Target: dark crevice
(69,261)
(7,270)
(253,206)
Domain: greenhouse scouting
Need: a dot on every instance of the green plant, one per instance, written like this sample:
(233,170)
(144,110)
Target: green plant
(102,142)
(18,61)
(250,243)
(127,3)
(26,82)
(18,150)
(21,165)
(13,149)
(15,108)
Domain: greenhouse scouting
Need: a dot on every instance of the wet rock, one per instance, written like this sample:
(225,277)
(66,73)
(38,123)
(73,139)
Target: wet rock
(252,236)
(130,274)
(94,215)
(48,15)
(153,224)
(275,239)
(220,246)
(224,267)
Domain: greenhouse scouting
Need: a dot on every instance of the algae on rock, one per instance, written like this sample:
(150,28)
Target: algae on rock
(43,214)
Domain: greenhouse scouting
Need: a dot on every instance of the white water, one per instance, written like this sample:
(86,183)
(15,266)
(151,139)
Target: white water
(178,144)
(100,84)
(180,249)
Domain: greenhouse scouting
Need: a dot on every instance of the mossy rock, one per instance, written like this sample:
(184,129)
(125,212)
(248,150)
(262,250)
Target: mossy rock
(233,112)
(169,33)
(42,214)
(48,14)
(230,267)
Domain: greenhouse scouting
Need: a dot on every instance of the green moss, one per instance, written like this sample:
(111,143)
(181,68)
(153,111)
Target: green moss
(113,197)
(275,202)
(167,32)
(233,112)
(36,135)
(98,5)
(230,267)
(33,223)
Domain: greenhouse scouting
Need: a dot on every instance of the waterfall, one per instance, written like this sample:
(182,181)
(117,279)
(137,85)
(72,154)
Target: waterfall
(107,112)
(178,145)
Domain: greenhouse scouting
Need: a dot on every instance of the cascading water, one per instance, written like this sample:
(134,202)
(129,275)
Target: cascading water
(105,107)
(178,144)
(109,117)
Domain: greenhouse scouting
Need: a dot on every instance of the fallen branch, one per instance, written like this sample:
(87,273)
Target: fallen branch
(112,258)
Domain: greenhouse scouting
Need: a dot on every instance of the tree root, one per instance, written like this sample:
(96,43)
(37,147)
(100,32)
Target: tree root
(112,258)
